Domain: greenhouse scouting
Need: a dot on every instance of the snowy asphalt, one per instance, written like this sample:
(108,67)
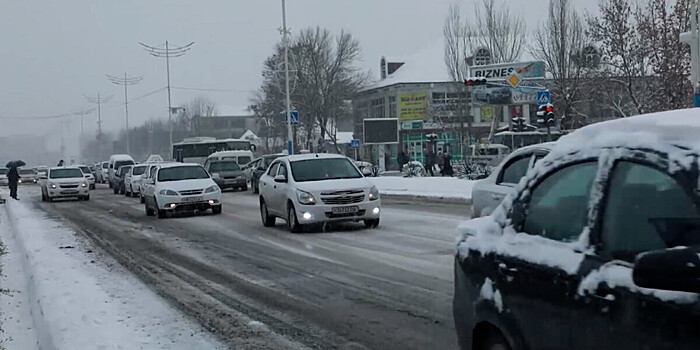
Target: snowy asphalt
(264,288)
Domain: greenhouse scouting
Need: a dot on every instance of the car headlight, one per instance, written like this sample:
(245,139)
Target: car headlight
(52,185)
(211,189)
(373,193)
(84,184)
(168,193)
(305,198)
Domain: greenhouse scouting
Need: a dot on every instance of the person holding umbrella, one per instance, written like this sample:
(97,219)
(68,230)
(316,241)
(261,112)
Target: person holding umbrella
(13,176)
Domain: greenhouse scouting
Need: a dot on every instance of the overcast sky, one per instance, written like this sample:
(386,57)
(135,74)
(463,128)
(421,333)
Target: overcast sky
(54,52)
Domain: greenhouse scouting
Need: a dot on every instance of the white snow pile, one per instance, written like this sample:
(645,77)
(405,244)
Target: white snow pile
(616,275)
(489,292)
(428,187)
(65,296)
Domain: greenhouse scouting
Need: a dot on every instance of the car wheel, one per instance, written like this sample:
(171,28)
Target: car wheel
(86,198)
(92,187)
(244,188)
(161,212)
(149,211)
(372,223)
(494,340)
(43,196)
(217,209)
(292,223)
(267,220)
(122,189)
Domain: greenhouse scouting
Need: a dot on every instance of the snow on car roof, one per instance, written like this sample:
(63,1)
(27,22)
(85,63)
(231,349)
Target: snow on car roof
(172,165)
(298,157)
(64,167)
(121,157)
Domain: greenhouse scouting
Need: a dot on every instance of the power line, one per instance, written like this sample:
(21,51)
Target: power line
(209,89)
(125,81)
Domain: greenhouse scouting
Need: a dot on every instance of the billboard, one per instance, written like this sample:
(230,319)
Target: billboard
(502,71)
(413,106)
(492,94)
(381,131)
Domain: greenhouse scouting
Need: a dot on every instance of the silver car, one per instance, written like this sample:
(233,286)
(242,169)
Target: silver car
(488,193)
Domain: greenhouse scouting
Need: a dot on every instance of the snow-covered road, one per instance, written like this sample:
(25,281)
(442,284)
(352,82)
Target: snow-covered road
(264,288)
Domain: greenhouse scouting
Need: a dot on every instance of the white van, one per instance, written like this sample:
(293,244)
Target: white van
(116,161)
(241,157)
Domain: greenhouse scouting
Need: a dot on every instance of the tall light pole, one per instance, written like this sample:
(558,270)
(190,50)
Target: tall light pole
(168,52)
(99,101)
(285,42)
(125,81)
(82,114)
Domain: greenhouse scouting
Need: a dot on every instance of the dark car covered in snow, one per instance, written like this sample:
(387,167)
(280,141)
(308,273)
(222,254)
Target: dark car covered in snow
(596,248)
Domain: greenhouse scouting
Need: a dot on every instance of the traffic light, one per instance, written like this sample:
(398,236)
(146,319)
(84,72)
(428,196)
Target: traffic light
(545,115)
(474,81)
(519,123)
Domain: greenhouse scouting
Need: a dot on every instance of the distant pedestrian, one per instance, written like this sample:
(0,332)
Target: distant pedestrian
(447,167)
(402,158)
(441,162)
(13,179)
(60,163)
(429,161)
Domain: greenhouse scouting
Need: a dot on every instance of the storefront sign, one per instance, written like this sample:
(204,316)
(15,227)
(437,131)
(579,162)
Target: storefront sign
(413,106)
(502,71)
(414,125)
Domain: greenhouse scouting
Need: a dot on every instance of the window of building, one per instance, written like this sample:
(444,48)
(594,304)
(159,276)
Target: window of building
(377,108)
(392,107)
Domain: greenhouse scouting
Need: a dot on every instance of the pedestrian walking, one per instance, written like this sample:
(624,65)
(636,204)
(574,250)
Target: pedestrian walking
(13,179)
(429,161)
(447,167)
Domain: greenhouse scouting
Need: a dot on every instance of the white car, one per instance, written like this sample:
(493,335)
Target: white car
(104,172)
(180,186)
(133,179)
(488,193)
(3,176)
(317,188)
(27,176)
(88,175)
(65,182)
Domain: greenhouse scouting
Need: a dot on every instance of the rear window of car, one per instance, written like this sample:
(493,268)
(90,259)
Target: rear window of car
(182,173)
(123,170)
(85,169)
(26,172)
(122,163)
(138,170)
(105,165)
(3,171)
(244,160)
(65,173)
(223,166)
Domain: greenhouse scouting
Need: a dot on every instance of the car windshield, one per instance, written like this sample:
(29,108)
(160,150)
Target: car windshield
(215,167)
(3,171)
(123,170)
(120,163)
(65,173)
(244,160)
(184,172)
(324,169)
(105,165)
(138,170)
(85,169)
(26,172)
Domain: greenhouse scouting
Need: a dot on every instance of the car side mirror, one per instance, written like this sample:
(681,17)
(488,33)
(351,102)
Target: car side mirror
(676,269)
(111,167)
(280,178)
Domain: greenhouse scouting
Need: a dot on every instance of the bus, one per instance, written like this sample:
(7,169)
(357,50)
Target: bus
(197,149)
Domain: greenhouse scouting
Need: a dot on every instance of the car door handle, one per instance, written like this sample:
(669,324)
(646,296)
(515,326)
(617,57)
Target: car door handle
(605,295)
(504,269)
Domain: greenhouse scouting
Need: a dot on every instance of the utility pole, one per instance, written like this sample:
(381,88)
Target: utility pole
(99,100)
(82,114)
(125,81)
(168,52)
(285,41)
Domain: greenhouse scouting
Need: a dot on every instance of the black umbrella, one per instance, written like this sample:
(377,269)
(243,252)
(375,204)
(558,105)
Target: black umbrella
(15,164)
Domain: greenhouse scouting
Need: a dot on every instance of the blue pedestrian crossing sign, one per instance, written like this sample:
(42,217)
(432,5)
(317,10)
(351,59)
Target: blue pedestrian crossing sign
(355,143)
(543,97)
(295,117)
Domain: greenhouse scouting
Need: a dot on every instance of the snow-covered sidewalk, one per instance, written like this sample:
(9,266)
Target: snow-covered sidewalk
(66,294)
(425,187)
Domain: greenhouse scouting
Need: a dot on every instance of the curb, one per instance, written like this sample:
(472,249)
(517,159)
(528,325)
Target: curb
(427,199)
(44,338)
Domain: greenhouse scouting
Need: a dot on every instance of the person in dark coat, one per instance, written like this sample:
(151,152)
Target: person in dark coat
(402,159)
(13,179)
(429,161)
(447,166)
(60,163)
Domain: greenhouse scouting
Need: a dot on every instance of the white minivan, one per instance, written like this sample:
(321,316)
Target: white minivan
(241,157)
(116,161)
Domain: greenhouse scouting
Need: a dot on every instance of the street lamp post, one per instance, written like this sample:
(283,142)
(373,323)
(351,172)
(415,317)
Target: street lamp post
(125,81)
(285,41)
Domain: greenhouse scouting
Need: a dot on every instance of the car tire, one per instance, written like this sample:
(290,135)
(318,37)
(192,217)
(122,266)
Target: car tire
(372,223)
(217,209)
(149,211)
(267,219)
(86,198)
(161,214)
(293,224)
(122,189)
(43,196)
(244,188)
(92,187)
(494,340)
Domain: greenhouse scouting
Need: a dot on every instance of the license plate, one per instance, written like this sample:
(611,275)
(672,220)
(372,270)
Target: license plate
(69,192)
(345,210)
(192,199)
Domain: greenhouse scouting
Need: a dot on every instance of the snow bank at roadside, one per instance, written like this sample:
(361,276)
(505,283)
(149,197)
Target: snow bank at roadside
(82,299)
(429,187)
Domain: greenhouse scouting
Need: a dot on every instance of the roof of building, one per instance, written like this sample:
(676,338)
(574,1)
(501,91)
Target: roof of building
(424,66)
(233,111)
